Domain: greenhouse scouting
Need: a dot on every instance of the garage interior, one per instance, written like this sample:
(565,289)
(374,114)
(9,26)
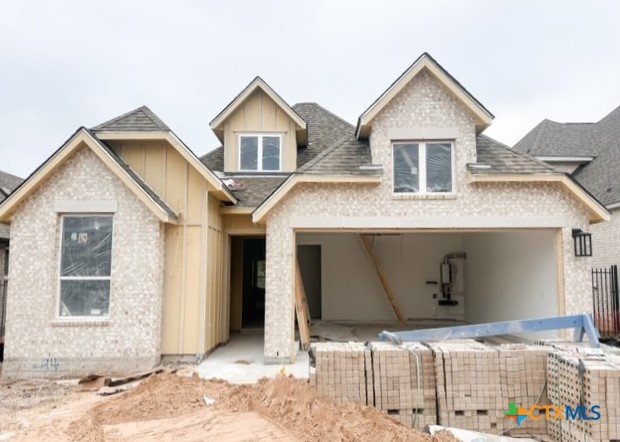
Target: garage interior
(365,281)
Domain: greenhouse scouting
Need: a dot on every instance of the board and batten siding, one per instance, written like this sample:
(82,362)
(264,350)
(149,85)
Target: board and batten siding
(193,291)
(259,114)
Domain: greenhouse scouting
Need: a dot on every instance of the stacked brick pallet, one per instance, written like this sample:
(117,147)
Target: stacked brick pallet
(578,379)
(523,374)
(468,385)
(343,372)
(404,383)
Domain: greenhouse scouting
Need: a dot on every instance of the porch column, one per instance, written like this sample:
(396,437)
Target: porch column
(279,295)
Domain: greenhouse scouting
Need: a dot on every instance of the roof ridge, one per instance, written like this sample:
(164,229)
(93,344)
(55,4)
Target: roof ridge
(148,113)
(321,156)
(327,111)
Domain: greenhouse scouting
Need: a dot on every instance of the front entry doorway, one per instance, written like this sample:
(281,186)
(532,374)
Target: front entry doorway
(253,285)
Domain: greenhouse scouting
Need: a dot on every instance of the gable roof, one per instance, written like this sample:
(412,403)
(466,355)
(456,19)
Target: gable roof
(84,137)
(424,61)
(600,140)
(257,83)
(141,119)
(143,124)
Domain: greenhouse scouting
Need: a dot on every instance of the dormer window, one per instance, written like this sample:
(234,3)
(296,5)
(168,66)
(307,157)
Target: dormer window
(423,167)
(260,152)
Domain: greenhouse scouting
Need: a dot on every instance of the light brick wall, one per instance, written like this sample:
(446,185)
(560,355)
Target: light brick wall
(606,241)
(39,345)
(424,102)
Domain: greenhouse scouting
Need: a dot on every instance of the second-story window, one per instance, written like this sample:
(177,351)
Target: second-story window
(259,153)
(423,167)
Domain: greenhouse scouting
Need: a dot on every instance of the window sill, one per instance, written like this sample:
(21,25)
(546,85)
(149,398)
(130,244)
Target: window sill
(81,322)
(424,196)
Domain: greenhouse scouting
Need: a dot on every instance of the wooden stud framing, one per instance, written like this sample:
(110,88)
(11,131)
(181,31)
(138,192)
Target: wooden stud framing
(301,307)
(384,282)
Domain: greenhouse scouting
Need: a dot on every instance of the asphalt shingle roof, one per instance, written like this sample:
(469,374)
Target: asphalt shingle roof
(324,129)
(504,160)
(141,119)
(214,160)
(345,157)
(253,190)
(600,140)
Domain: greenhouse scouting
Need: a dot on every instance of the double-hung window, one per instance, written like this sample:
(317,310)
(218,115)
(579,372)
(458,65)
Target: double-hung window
(85,266)
(260,153)
(423,167)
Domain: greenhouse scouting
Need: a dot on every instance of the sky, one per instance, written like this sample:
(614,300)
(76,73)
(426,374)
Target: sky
(66,64)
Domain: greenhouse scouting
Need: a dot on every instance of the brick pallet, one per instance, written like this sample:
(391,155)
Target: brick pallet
(342,371)
(404,382)
(523,374)
(578,378)
(468,385)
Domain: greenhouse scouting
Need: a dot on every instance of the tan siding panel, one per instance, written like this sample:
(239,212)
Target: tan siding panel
(155,166)
(242,224)
(197,188)
(172,290)
(176,180)
(192,298)
(133,154)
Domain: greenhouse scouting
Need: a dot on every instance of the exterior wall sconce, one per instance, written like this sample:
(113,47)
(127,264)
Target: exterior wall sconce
(583,242)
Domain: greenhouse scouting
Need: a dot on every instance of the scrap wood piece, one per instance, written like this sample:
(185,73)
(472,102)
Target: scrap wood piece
(382,278)
(93,382)
(301,308)
(114,382)
(108,391)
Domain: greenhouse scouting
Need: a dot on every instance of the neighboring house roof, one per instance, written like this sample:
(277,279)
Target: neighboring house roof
(8,183)
(600,140)
(501,159)
(141,119)
(257,83)
(85,137)
(424,61)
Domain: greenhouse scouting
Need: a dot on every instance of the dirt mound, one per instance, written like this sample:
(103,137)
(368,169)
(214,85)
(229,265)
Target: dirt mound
(289,403)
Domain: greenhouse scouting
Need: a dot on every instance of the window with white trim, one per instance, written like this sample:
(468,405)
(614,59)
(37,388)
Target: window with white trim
(85,265)
(260,153)
(423,167)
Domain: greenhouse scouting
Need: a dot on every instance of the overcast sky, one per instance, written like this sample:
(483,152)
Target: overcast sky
(65,64)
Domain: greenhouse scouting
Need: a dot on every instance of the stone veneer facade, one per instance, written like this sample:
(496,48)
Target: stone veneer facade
(37,342)
(424,102)
(606,241)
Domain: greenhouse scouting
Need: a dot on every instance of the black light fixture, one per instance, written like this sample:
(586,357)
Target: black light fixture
(583,242)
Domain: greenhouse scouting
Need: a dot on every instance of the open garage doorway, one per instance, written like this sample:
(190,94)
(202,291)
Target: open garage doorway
(436,277)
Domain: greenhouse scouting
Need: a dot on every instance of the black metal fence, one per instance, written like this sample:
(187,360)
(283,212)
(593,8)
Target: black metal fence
(605,301)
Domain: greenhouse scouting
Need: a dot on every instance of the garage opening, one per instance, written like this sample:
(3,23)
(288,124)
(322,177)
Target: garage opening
(432,278)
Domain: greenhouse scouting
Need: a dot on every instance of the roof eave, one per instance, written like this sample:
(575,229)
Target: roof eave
(598,212)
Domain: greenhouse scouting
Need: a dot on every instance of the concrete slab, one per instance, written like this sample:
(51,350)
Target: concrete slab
(241,361)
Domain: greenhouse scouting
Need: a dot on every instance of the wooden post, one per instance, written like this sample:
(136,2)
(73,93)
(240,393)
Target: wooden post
(382,278)
(301,307)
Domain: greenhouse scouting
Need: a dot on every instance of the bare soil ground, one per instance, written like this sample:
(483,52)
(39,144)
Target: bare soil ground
(171,407)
